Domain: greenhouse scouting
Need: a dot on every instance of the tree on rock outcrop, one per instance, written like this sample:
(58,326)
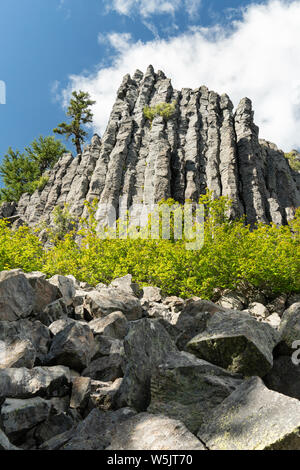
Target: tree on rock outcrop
(23,172)
(80,112)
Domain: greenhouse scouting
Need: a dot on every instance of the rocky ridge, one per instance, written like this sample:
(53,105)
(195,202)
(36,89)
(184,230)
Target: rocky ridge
(204,144)
(122,368)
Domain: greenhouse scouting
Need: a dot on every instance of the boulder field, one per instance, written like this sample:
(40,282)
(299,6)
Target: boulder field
(121,367)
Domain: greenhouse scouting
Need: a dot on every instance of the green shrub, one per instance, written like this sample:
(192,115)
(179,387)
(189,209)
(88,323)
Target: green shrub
(233,255)
(293,160)
(166,110)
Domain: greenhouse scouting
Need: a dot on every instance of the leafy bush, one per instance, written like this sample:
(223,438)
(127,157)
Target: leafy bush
(294,160)
(20,248)
(166,110)
(40,183)
(233,255)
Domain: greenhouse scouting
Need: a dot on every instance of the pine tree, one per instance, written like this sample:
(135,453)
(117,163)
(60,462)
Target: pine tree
(45,152)
(17,172)
(23,172)
(79,111)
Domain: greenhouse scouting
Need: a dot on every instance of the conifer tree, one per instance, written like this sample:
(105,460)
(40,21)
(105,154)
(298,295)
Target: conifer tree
(80,112)
(22,172)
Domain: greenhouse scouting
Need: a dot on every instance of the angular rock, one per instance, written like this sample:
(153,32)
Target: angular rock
(147,345)
(114,325)
(39,381)
(93,433)
(258,310)
(233,300)
(66,287)
(146,431)
(45,292)
(284,377)
(59,325)
(18,416)
(273,320)
(185,388)
(57,310)
(125,283)
(152,294)
(236,342)
(55,424)
(34,332)
(106,369)
(106,346)
(72,347)
(103,394)
(5,444)
(253,418)
(7,209)
(17,352)
(17,298)
(278,305)
(193,318)
(289,330)
(108,300)
(81,390)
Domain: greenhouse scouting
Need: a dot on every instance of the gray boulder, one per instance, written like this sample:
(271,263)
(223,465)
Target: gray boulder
(108,300)
(284,377)
(5,444)
(32,331)
(192,319)
(147,345)
(57,310)
(17,297)
(93,433)
(18,416)
(103,394)
(106,369)
(39,381)
(81,390)
(45,292)
(185,388)
(114,325)
(289,330)
(105,346)
(253,418)
(233,300)
(72,347)
(66,287)
(146,431)
(125,283)
(236,342)
(151,294)
(17,352)
(55,424)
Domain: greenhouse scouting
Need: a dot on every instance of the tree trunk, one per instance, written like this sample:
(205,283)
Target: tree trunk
(78,146)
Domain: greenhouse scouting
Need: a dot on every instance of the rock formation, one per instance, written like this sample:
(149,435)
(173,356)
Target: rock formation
(204,144)
(133,370)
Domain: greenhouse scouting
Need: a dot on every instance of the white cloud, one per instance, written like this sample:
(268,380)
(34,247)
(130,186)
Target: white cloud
(119,41)
(258,57)
(145,8)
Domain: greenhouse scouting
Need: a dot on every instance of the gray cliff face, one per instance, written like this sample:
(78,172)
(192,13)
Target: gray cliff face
(203,145)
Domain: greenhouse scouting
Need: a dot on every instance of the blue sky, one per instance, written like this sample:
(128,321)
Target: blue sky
(49,47)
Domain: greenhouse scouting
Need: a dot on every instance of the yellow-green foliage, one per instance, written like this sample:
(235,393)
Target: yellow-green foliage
(40,183)
(233,255)
(294,163)
(166,110)
(20,249)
